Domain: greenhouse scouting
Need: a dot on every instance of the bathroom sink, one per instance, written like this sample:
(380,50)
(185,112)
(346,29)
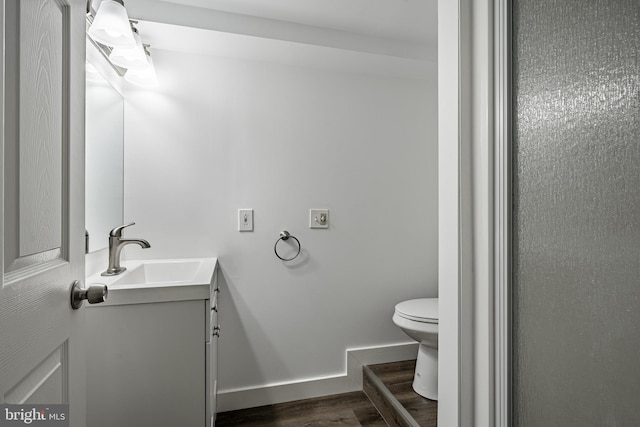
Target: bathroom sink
(165,272)
(160,280)
(159,272)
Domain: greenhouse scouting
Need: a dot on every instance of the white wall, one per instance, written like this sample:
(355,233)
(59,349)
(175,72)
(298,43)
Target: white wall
(221,134)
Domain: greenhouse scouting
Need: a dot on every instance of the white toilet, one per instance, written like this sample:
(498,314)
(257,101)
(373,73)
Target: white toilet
(418,318)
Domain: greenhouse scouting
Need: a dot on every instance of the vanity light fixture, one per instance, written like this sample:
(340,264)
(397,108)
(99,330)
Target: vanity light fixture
(143,77)
(111,25)
(115,36)
(132,58)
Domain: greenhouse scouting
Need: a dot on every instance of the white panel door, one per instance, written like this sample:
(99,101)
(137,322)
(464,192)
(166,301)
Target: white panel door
(42,227)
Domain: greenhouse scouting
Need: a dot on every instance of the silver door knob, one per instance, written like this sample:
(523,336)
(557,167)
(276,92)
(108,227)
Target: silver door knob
(94,294)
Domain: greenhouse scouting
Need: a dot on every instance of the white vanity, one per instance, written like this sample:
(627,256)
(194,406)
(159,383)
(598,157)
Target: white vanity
(152,346)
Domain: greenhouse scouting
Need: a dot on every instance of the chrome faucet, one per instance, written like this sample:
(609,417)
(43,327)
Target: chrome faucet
(116,243)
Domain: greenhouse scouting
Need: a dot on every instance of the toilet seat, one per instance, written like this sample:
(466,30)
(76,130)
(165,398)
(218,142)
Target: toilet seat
(419,310)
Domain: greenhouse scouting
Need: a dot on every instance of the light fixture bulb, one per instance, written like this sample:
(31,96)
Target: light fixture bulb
(111,25)
(146,77)
(133,58)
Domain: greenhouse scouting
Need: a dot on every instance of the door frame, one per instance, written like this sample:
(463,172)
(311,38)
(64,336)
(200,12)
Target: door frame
(474,170)
(503,234)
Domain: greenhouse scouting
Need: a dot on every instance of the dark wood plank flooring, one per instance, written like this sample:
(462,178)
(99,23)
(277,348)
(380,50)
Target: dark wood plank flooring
(348,409)
(398,377)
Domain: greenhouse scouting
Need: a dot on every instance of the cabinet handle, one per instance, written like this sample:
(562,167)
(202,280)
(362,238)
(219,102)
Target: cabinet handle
(216,331)
(214,308)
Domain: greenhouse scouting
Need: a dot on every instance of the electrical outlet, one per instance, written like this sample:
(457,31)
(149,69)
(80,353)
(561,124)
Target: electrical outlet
(318,218)
(245,219)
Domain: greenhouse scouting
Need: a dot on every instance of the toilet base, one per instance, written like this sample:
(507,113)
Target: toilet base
(425,378)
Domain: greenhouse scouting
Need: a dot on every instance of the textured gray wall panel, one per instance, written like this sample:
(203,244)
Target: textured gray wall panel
(577,213)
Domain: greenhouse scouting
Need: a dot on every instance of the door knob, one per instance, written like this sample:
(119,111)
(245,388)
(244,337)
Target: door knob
(94,294)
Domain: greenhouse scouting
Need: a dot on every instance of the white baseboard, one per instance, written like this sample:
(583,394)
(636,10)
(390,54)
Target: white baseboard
(229,400)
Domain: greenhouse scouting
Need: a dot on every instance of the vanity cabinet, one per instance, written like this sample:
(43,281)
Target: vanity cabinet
(153,361)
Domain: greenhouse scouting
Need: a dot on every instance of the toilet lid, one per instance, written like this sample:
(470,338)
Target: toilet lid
(420,310)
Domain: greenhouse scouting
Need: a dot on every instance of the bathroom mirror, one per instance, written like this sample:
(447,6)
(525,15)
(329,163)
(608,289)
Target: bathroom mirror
(104,141)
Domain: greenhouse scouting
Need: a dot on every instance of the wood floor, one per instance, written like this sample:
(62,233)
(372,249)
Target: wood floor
(398,378)
(348,409)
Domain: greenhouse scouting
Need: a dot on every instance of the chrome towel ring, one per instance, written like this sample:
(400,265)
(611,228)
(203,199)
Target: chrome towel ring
(285,235)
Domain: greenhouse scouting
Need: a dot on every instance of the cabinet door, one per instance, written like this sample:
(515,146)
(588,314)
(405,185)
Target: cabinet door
(147,361)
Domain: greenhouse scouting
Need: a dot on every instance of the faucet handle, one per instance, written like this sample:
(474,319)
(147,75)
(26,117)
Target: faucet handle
(117,232)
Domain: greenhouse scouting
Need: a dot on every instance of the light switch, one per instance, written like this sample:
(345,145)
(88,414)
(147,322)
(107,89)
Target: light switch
(318,218)
(245,219)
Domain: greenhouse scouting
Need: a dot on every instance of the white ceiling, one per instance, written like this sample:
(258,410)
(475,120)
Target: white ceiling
(413,21)
(399,28)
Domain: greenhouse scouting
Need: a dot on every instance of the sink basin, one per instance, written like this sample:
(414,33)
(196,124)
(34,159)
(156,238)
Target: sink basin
(161,280)
(159,272)
(165,272)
